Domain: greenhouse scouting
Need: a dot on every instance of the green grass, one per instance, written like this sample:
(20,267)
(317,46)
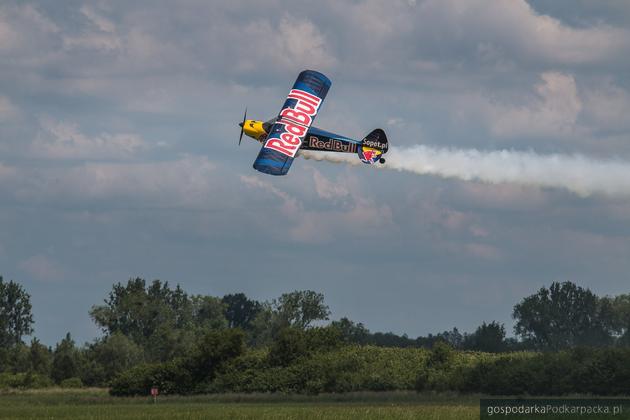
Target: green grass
(97,404)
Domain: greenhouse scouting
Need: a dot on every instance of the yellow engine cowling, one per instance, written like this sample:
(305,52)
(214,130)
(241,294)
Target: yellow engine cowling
(254,129)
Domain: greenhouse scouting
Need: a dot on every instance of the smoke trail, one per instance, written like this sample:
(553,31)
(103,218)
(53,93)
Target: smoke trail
(575,173)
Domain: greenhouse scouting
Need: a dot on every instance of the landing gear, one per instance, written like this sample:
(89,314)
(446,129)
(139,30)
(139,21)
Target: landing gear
(382,160)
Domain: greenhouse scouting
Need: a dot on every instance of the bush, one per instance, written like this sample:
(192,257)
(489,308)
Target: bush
(214,349)
(170,377)
(185,375)
(71,383)
(442,355)
(108,357)
(24,380)
(360,368)
(289,345)
(586,371)
(342,369)
(293,343)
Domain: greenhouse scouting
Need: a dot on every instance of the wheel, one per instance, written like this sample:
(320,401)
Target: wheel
(382,160)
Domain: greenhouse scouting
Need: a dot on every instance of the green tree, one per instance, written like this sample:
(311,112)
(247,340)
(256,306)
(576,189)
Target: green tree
(488,337)
(40,358)
(208,312)
(163,321)
(16,319)
(293,343)
(212,350)
(620,316)
(453,338)
(352,332)
(112,355)
(240,311)
(563,316)
(264,327)
(300,308)
(66,360)
(390,339)
(15,358)
(137,310)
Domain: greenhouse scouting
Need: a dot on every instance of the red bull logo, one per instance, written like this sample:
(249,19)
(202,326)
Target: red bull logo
(288,132)
(370,155)
(333,145)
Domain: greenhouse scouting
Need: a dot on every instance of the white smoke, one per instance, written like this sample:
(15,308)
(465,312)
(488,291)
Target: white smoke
(576,173)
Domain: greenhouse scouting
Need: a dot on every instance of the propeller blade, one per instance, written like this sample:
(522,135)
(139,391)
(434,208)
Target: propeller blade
(242,124)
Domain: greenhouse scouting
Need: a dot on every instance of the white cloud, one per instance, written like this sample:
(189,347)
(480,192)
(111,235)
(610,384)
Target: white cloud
(552,112)
(62,140)
(503,197)
(291,207)
(22,27)
(7,109)
(357,216)
(187,181)
(102,23)
(483,251)
(607,105)
(301,43)
(513,29)
(8,36)
(101,33)
(6,171)
(293,43)
(42,268)
(328,189)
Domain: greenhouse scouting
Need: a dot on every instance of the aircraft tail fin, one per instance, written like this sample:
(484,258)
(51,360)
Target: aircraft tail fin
(373,147)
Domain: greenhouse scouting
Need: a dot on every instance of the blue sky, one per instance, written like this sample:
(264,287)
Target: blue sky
(119,157)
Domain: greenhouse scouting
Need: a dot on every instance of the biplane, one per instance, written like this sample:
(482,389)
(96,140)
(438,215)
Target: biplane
(284,136)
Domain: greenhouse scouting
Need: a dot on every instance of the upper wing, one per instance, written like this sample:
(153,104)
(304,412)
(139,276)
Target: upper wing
(295,118)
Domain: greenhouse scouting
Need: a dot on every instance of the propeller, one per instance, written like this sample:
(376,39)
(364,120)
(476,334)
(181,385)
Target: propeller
(242,124)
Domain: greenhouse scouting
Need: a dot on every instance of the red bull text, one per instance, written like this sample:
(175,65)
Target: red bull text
(288,132)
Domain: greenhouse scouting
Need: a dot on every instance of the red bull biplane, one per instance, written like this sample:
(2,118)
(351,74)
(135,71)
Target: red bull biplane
(291,131)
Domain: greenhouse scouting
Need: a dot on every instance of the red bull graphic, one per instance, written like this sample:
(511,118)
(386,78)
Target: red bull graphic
(333,145)
(296,117)
(286,134)
(369,155)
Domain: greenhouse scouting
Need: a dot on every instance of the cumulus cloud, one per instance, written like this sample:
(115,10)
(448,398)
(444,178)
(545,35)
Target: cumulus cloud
(328,189)
(8,111)
(62,140)
(607,106)
(552,112)
(290,43)
(515,31)
(6,171)
(23,27)
(357,216)
(556,108)
(183,182)
(187,182)
(43,268)
(101,34)
(8,36)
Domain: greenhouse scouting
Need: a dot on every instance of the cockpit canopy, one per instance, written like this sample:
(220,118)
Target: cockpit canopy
(267,124)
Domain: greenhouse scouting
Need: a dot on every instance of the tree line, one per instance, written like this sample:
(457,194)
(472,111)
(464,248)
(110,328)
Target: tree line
(154,332)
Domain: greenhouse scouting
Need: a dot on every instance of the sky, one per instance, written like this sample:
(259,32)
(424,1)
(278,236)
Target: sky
(119,155)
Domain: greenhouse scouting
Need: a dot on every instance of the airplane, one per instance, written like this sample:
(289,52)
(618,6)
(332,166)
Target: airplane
(291,131)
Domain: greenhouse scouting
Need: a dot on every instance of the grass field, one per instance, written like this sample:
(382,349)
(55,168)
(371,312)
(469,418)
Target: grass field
(97,404)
